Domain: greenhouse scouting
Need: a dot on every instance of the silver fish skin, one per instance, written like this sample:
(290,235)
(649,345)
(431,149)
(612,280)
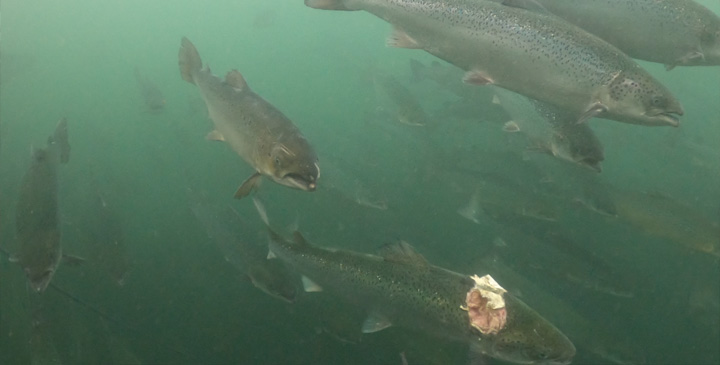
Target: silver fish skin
(257,131)
(233,237)
(538,55)
(404,289)
(37,224)
(552,130)
(671,32)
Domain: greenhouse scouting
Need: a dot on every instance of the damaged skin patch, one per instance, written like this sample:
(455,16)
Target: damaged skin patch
(485,305)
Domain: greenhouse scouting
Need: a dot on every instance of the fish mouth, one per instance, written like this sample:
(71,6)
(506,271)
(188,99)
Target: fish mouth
(667,118)
(40,283)
(299,182)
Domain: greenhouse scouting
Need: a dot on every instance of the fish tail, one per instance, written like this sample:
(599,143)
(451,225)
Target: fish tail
(189,60)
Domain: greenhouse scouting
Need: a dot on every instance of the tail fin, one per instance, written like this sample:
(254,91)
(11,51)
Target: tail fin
(60,137)
(189,60)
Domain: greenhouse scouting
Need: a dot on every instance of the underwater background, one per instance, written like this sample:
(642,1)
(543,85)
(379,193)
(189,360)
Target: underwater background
(623,294)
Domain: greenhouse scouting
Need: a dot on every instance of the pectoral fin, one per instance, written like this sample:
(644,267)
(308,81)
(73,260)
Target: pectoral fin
(248,186)
(511,127)
(592,112)
(477,78)
(215,136)
(375,322)
(326,4)
(531,5)
(687,59)
(72,260)
(310,286)
(400,39)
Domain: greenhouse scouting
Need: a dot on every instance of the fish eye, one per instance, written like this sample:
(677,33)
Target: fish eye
(657,101)
(277,160)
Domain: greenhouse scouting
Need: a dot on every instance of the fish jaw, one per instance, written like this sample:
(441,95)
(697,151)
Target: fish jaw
(635,97)
(39,276)
(303,176)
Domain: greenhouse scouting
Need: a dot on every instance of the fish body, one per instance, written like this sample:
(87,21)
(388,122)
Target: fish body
(37,223)
(257,131)
(664,217)
(233,238)
(552,130)
(534,54)
(407,108)
(403,289)
(152,96)
(672,32)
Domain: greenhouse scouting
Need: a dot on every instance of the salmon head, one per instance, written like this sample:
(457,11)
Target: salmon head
(294,164)
(638,98)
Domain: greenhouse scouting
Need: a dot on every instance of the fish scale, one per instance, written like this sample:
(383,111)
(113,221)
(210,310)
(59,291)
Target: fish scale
(411,293)
(537,55)
(668,31)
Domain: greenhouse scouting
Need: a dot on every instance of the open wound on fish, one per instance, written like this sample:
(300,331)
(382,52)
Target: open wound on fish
(399,39)
(477,78)
(486,306)
(248,186)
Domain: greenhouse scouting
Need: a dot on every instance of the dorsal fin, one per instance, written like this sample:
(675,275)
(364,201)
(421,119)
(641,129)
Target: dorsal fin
(402,252)
(299,239)
(235,79)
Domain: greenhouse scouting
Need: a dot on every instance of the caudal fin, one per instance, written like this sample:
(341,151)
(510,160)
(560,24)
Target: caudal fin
(189,60)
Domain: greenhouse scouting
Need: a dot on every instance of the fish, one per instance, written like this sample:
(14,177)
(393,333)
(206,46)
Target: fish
(661,216)
(232,236)
(407,109)
(671,32)
(552,130)
(401,288)
(537,55)
(257,131)
(606,344)
(37,224)
(152,96)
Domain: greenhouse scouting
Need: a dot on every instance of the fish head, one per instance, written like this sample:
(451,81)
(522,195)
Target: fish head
(710,45)
(580,151)
(294,165)
(274,279)
(636,97)
(40,266)
(528,338)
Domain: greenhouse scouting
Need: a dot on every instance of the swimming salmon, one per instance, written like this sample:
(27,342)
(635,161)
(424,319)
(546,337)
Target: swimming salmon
(534,54)
(256,130)
(672,32)
(402,288)
(37,224)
